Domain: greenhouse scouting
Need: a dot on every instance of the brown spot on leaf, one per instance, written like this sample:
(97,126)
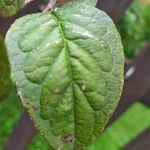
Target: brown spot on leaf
(35,108)
(67,138)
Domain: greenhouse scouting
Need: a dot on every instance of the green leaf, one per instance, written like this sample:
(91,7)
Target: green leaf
(60,2)
(68,69)
(88,2)
(134,28)
(11,7)
(10,112)
(5,81)
(91,2)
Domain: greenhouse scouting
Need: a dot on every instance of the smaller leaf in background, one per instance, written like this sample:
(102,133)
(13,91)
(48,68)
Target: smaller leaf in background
(10,111)
(135,28)
(60,2)
(146,17)
(44,2)
(89,2)
(11,7)
(5,81)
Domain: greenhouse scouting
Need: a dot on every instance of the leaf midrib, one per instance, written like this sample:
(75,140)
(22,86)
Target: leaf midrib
(69,63)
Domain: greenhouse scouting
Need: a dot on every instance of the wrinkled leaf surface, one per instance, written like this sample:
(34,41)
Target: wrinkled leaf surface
(68,69)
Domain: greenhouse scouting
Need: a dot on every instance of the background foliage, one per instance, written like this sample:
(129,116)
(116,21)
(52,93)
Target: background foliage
(134,28)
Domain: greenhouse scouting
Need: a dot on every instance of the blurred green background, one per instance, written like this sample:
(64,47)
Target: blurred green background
(134,28)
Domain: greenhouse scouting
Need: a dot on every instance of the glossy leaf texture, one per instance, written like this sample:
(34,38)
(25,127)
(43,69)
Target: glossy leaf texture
(61,2)
(91,2)
(68,69)
(5,81)
(11,7)
(88,2)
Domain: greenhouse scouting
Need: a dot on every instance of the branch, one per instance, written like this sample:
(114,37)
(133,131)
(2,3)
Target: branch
(114,8)
(22,135)
(50,6)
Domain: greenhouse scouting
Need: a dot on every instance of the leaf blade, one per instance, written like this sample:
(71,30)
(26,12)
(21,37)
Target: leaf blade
(68,85)
(9,7)
(89,2)
(5,80)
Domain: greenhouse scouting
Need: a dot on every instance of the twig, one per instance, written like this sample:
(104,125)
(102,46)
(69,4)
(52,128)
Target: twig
(114,8)
(22,135)
(50,6)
